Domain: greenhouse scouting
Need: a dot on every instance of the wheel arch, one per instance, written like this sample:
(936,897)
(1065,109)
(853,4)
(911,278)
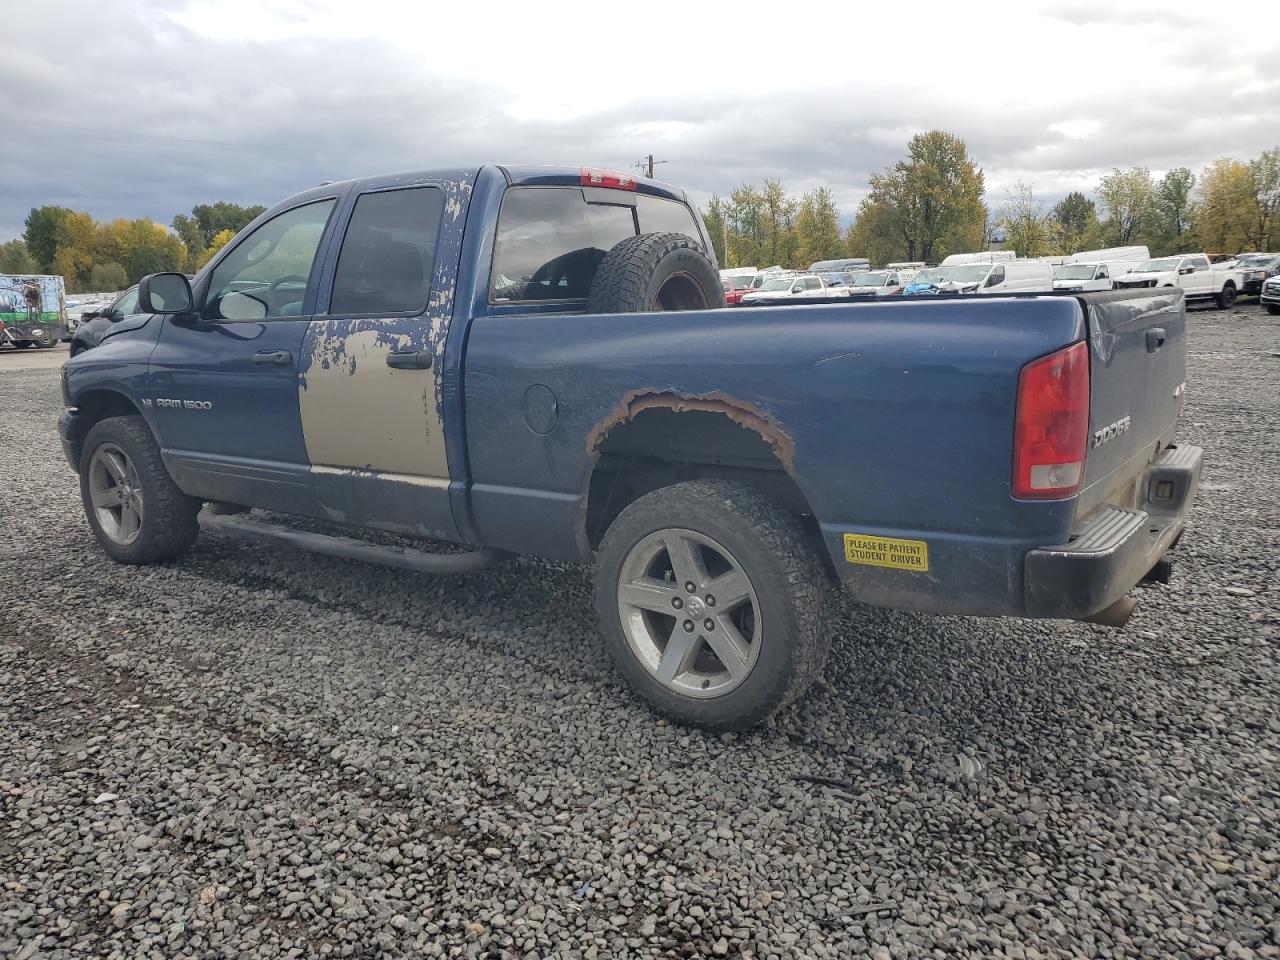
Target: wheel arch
(96,405)
(657,439)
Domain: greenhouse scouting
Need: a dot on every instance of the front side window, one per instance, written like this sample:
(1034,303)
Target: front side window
(126,305)
(997,277)
(812,283)
(388,253)
(550,239)
(266,275)
(1102,273)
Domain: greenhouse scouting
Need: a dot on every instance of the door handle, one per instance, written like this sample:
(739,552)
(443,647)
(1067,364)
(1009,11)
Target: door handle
(1155,339)
(273,358)
(409,359)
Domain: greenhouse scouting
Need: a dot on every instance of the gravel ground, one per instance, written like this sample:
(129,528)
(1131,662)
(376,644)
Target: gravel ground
(260,754)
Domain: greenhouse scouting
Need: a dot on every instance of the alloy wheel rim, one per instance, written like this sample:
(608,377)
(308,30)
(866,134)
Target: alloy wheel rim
(116,494)
(689,613)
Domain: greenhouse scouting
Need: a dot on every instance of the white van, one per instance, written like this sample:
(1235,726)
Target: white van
(1091,276)
(1010,276)
(988,256)
(1110,254)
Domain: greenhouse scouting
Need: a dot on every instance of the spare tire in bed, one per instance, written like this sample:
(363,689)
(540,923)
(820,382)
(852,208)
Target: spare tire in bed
(655,271)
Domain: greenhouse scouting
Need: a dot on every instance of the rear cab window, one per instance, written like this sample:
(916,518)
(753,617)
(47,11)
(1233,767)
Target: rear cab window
(550,240)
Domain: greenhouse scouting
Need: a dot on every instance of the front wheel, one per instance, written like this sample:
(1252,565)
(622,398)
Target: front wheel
(1273,309)
(713,603)
(1227,297)
(132,504)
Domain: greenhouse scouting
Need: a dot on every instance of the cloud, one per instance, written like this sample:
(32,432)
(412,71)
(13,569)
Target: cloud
(140,109)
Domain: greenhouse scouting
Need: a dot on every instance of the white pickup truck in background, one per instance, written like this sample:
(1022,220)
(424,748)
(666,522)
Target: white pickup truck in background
(805,285)
(1192,272)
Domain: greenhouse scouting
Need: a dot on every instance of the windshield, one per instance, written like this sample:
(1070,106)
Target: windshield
(1157,266)
(970,273)
(1075,271)
(741,283)
(781,283)
(933,275)
(870,279)
(1257,262)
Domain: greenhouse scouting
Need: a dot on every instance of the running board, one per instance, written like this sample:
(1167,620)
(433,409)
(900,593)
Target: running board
(349,548)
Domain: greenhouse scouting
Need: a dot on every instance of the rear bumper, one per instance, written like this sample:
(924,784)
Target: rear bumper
(1113,548)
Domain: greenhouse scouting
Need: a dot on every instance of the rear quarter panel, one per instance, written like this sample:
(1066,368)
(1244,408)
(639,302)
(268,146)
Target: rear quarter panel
(898,418)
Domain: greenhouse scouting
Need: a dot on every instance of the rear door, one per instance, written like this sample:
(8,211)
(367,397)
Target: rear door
(223,385)
(371,415)
(1137,372)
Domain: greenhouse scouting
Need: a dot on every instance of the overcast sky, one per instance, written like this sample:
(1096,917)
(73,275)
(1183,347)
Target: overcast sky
(142,108)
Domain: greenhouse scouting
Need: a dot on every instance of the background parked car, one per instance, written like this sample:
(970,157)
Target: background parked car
(927,280)
(847,265)
(776,288)
(1271,296)
(1005,277)
(96,324)
(876,283)
(1255,270)
(735,287)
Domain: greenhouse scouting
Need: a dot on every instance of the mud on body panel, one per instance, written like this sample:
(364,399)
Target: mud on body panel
(357,412)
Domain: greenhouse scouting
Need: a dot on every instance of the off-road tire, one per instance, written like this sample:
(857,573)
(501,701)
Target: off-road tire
(169,526)
(655,271)
(788,576)
(1226,298)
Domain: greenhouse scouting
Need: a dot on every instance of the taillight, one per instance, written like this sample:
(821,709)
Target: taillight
(1051,428)
(607,178)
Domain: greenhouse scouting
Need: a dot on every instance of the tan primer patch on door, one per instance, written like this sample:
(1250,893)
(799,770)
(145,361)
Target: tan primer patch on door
(361,414)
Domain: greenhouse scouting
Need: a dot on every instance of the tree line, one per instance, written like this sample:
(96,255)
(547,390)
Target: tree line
(110,255)
(929,204)
(933,203)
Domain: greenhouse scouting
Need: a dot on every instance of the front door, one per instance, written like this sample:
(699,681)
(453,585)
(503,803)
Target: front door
(372,361)
(223,384)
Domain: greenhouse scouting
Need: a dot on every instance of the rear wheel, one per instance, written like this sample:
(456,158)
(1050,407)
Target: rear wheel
(1227,297)
(133,506)
(713,603)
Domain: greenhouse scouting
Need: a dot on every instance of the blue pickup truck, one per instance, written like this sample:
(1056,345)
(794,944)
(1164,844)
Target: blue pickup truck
(537,361)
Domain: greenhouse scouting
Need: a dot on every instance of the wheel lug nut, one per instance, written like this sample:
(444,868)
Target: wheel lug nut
(709,623)
(677,602)
(690,586)
(688,626)
(711,601)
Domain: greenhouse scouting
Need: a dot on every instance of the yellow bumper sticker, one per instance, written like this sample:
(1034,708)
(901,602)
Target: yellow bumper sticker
(886,552)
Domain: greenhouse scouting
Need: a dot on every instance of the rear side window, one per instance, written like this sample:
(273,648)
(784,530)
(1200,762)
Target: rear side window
(388,253)
(550,239)
(660,215)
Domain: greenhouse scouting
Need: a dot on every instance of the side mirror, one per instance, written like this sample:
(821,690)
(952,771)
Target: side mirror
(167,293)
(1186,270)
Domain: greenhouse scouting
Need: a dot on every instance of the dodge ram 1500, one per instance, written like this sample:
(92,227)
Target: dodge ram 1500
(533,360)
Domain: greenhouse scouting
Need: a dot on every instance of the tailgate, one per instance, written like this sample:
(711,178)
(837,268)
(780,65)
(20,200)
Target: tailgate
(1137,374)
